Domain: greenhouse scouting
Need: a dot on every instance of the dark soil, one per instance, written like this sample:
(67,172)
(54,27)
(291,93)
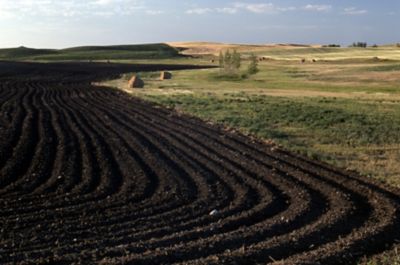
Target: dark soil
(89,175)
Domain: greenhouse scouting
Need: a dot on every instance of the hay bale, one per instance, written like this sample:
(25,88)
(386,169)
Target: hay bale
(136,82)
(165,75)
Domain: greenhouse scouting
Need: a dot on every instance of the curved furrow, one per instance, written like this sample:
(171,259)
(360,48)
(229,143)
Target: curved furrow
(137,137)
(209,158)
(17,164)
(7,92)
(141,179)
(7,104)
(91,166)
(68,163)
(14,129)
(105,177)
(384,202)
(42,164)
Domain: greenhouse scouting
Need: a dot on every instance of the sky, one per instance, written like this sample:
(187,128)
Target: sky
(68,23)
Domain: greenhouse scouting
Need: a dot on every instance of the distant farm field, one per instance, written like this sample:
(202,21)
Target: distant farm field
(292,52)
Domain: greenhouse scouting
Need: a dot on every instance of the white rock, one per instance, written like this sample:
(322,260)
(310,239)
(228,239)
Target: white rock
(214,212)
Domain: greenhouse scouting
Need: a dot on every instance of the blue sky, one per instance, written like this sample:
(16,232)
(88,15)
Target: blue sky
(65,23)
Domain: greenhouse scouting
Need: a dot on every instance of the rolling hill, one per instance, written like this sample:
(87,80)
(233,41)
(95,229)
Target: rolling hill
(143,51)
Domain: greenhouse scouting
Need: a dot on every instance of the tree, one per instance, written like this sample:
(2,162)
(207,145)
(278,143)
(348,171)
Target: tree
(229,62)
(331,46)
(253,66)
(236,60)
(359,44)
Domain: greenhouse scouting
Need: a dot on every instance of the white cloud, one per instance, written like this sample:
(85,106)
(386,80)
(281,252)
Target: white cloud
(155,12)
(257,8)
(354,11)
(199,11)
(318,8)
(227,10)
(70,8)
(103,2)
(261,8)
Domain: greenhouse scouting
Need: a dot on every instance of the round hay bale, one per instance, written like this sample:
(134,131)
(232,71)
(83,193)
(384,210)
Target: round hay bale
(165,75)
(136,82)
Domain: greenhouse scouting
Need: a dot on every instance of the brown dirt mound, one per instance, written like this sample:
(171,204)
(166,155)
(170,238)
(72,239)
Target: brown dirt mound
(88,176)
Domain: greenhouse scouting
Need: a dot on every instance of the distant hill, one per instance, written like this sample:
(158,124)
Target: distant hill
(213,48)
(22,52)
(143,51)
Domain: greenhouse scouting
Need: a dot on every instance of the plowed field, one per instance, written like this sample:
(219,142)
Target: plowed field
(89,175)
